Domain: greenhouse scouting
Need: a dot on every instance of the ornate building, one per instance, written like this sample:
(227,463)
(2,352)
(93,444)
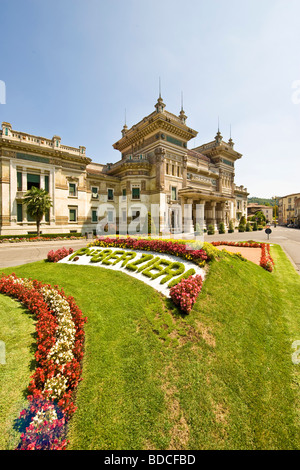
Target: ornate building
(156,170)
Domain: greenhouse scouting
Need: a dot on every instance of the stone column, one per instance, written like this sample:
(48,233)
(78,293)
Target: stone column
(184,171)
(24,179)
(223,215)
(200,214)
(24,189)
(213,213)
(42,186)
(52,195)
(188,216)
(160,168)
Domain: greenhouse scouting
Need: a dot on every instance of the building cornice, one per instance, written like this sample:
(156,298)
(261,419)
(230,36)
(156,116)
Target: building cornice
(7,144)
(151,125)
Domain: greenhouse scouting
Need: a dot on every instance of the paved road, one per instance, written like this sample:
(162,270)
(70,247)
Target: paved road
(15,254)
(27,252)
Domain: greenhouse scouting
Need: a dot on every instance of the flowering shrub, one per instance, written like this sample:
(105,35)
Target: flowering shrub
(45,426)
(185,293)
(38,239)
(266,260)
(241,244)
(60,342)
(54,256)
(198,256)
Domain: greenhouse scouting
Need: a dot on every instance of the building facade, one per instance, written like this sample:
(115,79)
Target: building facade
(266,210)
(286,209)
(155,172)
(297,212)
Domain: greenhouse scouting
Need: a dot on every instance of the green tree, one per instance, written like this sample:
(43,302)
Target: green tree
(38,203)
(248,227)
(260,217)
(221,227)
(231,227)
(243,220)
(210,230)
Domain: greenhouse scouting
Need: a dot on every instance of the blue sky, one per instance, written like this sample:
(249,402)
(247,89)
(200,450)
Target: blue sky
(72,67)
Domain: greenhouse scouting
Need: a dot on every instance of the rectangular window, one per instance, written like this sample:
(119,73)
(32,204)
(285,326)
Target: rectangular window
(135,193)
(33,180)
(110,194)
(19,181)
(47,183)
(173,170)
(110,216)
(167,168)
(73,215)
(29,218)
(72,189)
(124,193)
(173,193)
(94,215)
(94,192)
(19,212)
(178,171)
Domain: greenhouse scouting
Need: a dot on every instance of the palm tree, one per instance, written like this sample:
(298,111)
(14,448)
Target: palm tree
(38,203)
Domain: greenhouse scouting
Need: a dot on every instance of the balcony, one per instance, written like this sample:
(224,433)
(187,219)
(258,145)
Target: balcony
(20,194)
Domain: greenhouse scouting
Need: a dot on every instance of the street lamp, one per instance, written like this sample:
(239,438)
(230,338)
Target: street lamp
(275,215)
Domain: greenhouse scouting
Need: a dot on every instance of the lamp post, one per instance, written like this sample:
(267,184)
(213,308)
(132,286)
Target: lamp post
(275,199)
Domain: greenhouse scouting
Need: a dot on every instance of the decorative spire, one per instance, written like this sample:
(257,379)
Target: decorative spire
(160,105)
(219,136)
(182,115)
(125,128)
(230,141)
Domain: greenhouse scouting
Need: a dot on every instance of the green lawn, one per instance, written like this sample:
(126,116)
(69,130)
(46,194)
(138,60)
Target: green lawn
(17,330)
(220,378)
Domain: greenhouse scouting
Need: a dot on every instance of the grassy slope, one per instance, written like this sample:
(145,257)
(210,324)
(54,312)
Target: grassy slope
(18,333)
(221,377)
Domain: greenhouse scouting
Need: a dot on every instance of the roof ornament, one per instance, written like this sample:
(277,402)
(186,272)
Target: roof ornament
(182,115)
(125,128)
(219,136)
(160,105)
(230,141)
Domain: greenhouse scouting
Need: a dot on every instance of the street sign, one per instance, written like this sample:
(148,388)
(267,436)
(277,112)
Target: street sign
(268,231)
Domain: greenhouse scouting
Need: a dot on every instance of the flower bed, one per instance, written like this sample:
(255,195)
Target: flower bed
(185,293)
(60,343)
(198,256)
(55,256)
(41,238)
(38,239)
(266,260)
(164,268)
